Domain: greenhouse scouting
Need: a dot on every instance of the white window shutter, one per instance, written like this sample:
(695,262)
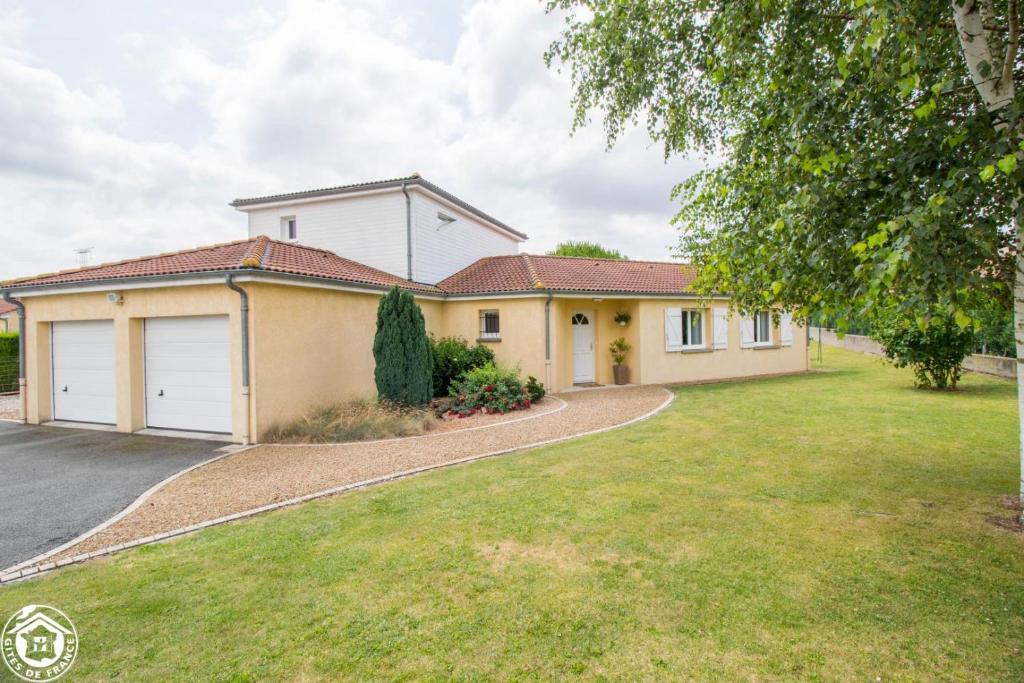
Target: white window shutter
(746,331)
(721,327)
(673,329)
(786,328)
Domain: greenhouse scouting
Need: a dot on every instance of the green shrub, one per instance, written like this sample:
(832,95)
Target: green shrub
(453,356)
(934,347)
(488,389)
(535,388)
(9,344)
(401,349)
(357,420)
(8,362)
(619,349)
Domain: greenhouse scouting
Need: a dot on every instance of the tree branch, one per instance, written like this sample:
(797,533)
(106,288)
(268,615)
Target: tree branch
(1012,42)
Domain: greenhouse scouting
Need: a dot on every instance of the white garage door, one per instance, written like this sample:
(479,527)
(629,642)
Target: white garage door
(83,371)
(188,373)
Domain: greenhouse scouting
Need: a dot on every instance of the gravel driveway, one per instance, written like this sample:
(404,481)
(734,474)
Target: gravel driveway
(273,473)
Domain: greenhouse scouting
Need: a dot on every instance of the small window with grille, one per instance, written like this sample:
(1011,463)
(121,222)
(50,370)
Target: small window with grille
(490,326)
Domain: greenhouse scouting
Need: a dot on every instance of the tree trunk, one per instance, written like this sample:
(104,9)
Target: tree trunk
(1018,324)
(997,90)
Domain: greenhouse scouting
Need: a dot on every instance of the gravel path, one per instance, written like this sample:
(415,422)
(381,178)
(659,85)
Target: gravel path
(272,473)
(9,407)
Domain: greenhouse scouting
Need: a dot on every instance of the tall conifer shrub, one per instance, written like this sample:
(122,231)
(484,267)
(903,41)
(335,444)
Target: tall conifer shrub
(402,351)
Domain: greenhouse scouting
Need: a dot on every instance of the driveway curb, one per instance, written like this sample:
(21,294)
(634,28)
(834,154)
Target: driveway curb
(116,518)
(26,572)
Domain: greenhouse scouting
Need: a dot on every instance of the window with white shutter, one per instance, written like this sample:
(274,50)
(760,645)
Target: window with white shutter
(684,329)
(721,327)
(786,329)
(673,329)
(746,331)
(756,330)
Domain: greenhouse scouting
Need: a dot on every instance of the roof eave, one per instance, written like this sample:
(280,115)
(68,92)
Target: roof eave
(205,277)
(253,203)
(540,291)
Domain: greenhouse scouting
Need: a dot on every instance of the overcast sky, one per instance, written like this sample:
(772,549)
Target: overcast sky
(128,126)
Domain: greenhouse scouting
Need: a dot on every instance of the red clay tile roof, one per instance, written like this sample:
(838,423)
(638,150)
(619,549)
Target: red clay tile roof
(491,275)
(525,272)
(6,307)
(283,257)
(258,252)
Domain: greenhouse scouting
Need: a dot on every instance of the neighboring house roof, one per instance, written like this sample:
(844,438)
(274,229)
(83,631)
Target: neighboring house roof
(525,272)
(6,308)
(257,253)
(414,179)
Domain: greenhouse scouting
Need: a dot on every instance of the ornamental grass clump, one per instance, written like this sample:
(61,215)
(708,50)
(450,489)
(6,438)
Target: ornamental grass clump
(488,389)
(356,420)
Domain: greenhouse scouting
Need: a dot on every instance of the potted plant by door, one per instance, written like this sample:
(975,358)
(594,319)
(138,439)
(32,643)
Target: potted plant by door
(619,349)
(623,318)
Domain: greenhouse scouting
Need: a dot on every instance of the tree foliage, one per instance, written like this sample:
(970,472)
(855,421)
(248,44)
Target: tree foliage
(857,158)
(935,351)
(586,250)
(402,352)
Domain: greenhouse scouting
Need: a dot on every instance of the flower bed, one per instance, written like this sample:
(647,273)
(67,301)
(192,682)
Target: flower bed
(491,389)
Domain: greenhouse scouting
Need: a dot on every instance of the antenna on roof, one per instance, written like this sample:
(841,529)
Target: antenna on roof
(83,256)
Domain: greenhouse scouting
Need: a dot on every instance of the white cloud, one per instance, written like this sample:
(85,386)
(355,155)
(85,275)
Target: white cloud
(131,40)
(323,93)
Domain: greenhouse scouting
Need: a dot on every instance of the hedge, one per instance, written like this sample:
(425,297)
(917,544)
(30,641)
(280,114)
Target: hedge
(8,362)
(8,344)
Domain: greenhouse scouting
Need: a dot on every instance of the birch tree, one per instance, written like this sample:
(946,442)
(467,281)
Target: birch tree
(862,153)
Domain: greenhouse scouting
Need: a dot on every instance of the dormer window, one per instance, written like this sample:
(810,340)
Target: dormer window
(289,228)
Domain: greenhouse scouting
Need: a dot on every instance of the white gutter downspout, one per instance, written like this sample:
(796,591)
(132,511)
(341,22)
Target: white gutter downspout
(244,309)
(408,230)
(22,394)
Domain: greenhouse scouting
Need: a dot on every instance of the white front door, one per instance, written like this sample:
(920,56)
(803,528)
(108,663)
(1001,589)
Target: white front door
(188,373)
(582,347)
(83,371)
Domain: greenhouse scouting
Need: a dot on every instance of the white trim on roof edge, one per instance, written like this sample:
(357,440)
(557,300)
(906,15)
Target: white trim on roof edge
(210,278)
(412,187)
(275,277)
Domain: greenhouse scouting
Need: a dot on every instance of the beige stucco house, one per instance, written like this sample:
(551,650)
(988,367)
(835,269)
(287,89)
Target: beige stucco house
(233,338)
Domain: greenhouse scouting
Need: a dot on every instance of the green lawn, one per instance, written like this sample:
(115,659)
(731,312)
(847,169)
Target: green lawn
(829,526)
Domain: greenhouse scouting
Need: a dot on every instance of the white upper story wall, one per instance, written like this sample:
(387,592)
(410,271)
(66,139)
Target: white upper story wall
(441,248)
(367,223)
(369,229)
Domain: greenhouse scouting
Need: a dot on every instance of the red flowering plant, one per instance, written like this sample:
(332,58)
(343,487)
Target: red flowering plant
(488,389)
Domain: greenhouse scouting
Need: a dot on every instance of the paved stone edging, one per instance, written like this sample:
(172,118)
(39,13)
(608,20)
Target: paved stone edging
(119,516)
(39,570)
(38,559)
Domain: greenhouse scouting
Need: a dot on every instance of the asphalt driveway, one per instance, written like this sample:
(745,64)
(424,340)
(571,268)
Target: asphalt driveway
(57,483)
